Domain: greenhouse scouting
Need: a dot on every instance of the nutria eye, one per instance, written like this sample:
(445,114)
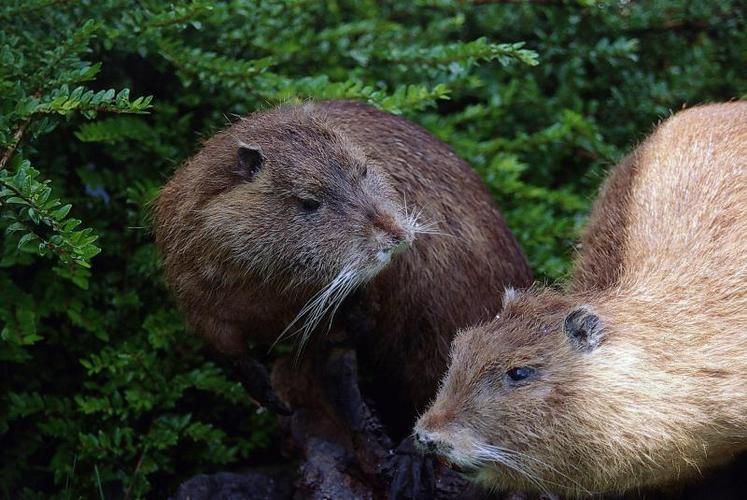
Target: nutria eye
(520,373)
(310,204)
(365,171)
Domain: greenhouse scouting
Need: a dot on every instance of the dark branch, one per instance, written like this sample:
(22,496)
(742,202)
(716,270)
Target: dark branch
(17,137)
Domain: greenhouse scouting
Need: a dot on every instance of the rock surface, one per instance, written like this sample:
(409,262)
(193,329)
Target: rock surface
(232,486)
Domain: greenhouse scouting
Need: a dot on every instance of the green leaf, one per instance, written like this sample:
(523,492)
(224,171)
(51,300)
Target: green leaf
(61,212)
(26,241)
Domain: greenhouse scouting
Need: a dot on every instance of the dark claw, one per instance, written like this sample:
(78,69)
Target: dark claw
(411,472)
(256,381)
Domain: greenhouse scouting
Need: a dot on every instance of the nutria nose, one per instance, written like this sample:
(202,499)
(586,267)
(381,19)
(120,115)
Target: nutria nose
(427,443)
(388,224)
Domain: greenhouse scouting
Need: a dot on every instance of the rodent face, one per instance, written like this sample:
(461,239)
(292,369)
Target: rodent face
(304,220)
(302,210)
(502,410)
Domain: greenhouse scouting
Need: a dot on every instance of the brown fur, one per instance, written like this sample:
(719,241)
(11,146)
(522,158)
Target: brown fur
(640,367)
(243,258)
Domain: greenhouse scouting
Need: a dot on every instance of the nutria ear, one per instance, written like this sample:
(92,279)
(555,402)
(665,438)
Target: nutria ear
(249,161)
(584,328)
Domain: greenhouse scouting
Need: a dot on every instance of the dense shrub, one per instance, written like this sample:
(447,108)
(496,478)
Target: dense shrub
(103,391)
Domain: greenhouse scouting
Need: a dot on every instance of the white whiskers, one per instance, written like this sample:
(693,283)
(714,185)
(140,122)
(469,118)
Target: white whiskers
(413,220)
(513,460)
(487,453)
(328,298)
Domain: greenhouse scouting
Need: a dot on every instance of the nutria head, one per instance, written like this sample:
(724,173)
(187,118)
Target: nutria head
(504,408)
(283,199)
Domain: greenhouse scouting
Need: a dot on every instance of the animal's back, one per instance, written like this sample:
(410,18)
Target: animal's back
(671,216)
(681,299)
(669,234)
(687,225)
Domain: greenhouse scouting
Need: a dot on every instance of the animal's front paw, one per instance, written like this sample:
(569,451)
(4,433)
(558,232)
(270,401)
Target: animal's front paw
(256,381)
(411,472)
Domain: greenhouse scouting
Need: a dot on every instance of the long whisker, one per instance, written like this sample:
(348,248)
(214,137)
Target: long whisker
(544,464)
(430,229)
(414,221)
(324,303)
(312,313)
(312,303)
(345,292)
(522,471)
(493,451)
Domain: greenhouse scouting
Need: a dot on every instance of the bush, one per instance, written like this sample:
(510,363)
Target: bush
(103,391)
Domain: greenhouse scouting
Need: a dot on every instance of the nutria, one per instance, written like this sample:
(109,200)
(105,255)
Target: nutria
(280,217)
(634,376)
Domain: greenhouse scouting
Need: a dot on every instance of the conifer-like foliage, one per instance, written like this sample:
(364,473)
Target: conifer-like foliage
(102,390)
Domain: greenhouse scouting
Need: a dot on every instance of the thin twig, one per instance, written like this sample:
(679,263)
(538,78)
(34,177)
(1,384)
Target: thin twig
(17,137)
(128,495)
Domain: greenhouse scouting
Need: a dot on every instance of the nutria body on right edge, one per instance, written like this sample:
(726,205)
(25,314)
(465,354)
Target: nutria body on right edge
(636,375)
(306,204)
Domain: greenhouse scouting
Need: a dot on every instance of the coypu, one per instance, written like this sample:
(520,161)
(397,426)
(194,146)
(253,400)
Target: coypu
(280,217)
(635,376)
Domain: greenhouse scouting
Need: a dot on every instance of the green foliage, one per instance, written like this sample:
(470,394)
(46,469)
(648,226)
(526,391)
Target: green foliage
(103,392)
(42,221)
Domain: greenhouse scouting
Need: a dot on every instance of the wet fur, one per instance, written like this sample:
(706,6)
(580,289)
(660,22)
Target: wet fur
(242,265)
(663,267)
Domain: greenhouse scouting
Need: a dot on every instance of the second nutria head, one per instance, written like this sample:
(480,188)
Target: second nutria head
(505,410)
(560,396)
(283,199)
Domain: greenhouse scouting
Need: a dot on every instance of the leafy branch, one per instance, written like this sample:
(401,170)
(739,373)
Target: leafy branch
(28,205)
(470,52)
(88,102)
(276,88)
(210,67)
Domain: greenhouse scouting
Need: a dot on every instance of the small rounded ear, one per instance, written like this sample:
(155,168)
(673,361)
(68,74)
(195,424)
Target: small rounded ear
(584,328)
(249,161)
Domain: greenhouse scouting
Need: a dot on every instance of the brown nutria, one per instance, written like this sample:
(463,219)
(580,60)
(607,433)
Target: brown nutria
(281,216)
(636,375)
